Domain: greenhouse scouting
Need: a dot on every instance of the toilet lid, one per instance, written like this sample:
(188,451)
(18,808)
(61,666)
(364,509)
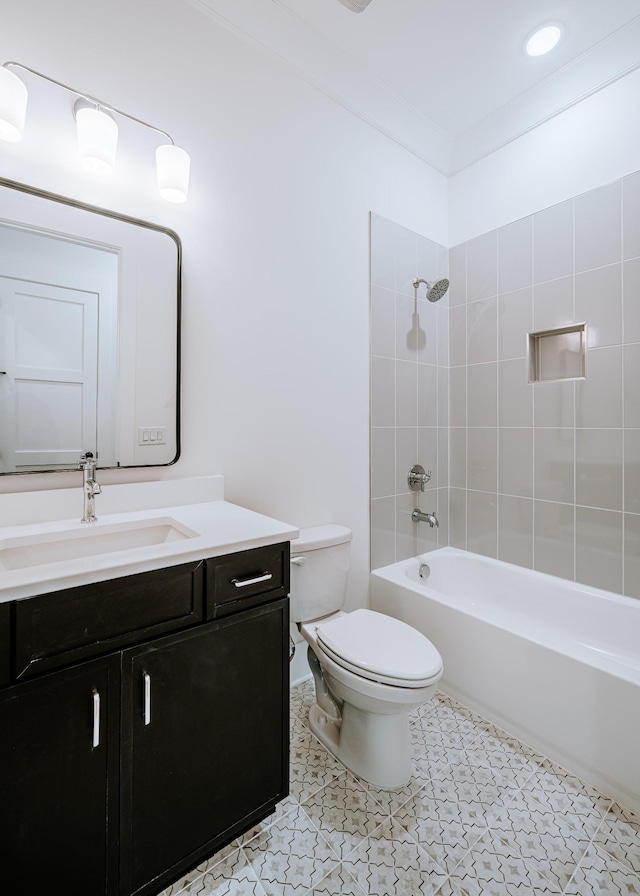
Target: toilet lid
(380,648)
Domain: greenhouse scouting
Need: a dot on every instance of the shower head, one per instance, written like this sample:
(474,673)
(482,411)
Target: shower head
(356,5)
(435,291)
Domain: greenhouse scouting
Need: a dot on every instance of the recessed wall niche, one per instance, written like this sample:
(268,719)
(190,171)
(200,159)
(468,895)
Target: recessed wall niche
(558,354)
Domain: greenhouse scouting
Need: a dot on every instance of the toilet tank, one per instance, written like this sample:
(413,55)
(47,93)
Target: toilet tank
(319,567)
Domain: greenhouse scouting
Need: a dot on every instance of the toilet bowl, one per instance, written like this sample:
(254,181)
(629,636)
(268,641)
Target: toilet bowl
(370,670)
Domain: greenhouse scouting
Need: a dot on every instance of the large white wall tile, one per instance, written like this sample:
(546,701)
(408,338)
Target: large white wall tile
(515,470)
(458,275)
(598,302)
(383,465)
(515,530)
(427,395)
(515,322)
(458,517)
(482,459)
(553,304)
(482,395)
(553,242)
(631,300)
(482,331)
(482,523)
(406,393)
(632,385)
(632,554)
(599,548)
(599,468)
(554,465)
(554,404)
(458,456)
(632,470)
(631,215)
(553,538)
(598,227)
(599,396)
(515,394)
(482,267)
(515,255)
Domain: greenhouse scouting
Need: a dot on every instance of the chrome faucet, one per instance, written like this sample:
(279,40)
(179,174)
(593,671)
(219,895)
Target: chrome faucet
(418,478)
(419,517)
(90,488)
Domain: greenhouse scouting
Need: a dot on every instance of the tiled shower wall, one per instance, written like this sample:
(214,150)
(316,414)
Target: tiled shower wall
(547,475)
(409,392)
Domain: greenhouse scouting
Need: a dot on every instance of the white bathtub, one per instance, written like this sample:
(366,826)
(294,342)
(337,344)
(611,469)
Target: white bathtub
(553,662)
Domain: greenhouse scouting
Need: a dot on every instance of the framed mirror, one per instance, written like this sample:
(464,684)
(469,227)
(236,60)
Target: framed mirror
(89,335)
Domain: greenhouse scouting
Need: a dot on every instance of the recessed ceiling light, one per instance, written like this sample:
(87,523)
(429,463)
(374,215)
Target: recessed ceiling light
(543,40)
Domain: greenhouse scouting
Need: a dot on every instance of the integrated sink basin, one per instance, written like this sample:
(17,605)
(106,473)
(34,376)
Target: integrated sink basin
(24,552)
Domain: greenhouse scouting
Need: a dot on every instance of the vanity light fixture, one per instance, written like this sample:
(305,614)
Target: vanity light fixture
(13,106)
(97,137)
(97,131)
(543,40)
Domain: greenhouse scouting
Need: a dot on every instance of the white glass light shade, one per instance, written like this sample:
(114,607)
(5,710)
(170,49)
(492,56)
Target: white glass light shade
(172,164)
(543,40)
(97,139)
(13,106)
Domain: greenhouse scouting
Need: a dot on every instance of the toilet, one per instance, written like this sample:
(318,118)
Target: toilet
(370,670)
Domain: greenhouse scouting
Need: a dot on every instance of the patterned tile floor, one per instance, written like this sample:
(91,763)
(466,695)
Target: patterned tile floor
(482,814)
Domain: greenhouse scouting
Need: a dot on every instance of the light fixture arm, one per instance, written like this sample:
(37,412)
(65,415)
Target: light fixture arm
(90,99)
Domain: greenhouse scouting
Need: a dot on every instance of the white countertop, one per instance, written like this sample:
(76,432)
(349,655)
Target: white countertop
(219,527)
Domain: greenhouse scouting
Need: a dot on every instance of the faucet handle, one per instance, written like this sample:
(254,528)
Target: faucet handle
(418,478)
(87,461)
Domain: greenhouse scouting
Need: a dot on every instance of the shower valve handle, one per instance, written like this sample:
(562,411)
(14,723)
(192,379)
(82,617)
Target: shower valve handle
(418,478)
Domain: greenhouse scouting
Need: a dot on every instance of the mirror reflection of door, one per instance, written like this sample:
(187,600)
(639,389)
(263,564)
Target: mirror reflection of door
(50,363)
(54,333)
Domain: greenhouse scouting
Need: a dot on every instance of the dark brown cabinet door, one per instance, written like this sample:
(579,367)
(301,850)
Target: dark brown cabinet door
(59,743)
(205,741)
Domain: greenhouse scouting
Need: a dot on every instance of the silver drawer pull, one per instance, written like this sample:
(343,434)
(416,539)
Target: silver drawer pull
(96,719)
(242,583)
(147,697)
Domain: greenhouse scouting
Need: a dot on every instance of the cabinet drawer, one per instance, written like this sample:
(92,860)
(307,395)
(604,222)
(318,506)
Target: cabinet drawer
(67,626)
(246,579)
(5,642)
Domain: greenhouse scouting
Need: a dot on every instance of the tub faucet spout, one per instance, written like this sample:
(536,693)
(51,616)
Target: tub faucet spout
(419,517)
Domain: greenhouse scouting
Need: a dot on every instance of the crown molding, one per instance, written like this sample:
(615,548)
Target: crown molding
(273,28)
(604,64)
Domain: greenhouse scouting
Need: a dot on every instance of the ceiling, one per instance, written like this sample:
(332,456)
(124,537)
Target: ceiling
(447,79)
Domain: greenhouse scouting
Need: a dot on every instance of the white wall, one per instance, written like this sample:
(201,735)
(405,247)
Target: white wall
(275,235)
(592,144)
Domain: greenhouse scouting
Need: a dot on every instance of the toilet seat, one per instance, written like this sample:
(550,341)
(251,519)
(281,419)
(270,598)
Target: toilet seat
(380,648)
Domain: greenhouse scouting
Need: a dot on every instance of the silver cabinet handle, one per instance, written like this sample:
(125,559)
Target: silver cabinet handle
(96,718)
(147,697)
(242,583)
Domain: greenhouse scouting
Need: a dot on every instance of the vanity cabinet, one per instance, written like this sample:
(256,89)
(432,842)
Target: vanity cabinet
(204,725)
(121,772)
(5,643)
(59,755)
